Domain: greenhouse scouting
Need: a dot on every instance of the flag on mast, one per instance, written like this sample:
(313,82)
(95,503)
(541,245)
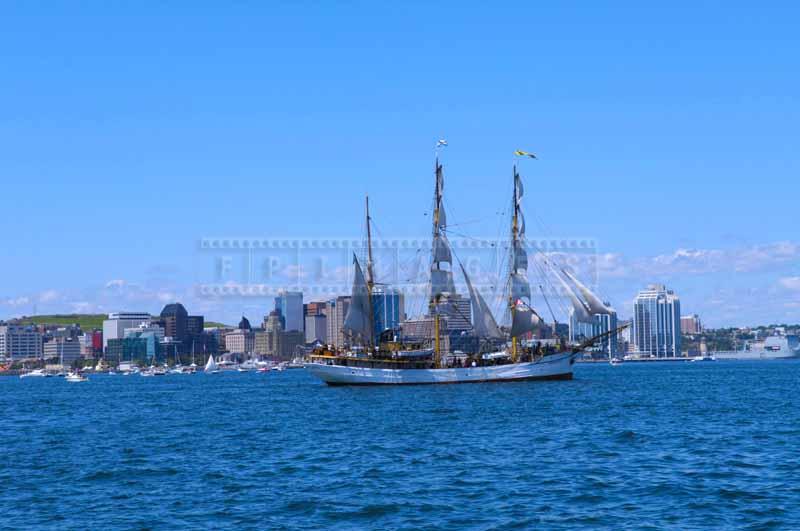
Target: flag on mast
(441,143)
(521,153)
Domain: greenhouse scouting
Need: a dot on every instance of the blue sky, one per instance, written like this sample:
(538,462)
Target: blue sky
(130,132)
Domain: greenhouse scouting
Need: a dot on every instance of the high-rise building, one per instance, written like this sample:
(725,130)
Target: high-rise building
(316,328)
(690,324)
(656,322)
(337,310)
(387,309)
(290,340)
(20,342)
(290,304)
(114,327)
(458,311)
(181,327)
(602,324)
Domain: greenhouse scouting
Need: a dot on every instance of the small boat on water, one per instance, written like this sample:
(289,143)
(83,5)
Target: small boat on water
(211,366)
(704,358)
(75,376)
(35,373)
(615,361)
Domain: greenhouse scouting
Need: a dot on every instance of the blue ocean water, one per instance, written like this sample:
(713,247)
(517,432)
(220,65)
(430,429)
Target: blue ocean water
(650,446)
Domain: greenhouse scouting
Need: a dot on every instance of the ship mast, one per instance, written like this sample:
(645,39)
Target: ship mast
(370,273)
(514,240)
(370,278)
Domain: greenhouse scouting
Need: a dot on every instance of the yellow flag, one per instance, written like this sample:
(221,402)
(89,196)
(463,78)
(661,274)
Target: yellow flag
(521,153)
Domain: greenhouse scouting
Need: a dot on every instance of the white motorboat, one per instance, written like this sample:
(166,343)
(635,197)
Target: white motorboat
(35,373)
(75,377)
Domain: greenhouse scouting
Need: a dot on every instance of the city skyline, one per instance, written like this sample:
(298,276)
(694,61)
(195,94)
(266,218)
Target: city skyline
(670,145)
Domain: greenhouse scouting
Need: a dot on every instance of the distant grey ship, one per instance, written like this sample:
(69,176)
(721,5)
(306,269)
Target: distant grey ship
(772,348)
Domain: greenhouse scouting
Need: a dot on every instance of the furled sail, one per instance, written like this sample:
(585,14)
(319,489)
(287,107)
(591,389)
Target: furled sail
(520,287)
(441,277)
(582,314)
(523,320)
(483,321)
(520,257)
(357,321)
(596,306)
(441,250)
(441,282)
(523,317)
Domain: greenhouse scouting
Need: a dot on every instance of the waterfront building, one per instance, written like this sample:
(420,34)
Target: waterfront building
(242,340)
(337,310)
(289,341)
(211,341)
(67,347)
(316,328)
(290,304)
(114,327)
(18,342)
(180,326)
(656,322)
(85,342)
(603,323)
(273,328)
(387,309)
(141,347)
(690,324)
(145,327)
(261,342)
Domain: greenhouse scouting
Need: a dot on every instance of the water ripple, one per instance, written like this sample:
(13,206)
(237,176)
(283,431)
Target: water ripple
(636,446)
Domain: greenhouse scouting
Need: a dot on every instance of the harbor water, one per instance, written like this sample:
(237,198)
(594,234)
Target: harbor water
(650,446)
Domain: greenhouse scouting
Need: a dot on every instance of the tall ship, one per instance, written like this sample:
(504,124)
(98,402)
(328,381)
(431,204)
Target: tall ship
(503,354)
(771,348)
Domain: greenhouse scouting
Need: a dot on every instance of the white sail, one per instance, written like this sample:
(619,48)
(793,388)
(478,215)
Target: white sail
(596,306)
(483,321)
(211,365)
(523,320)
(357,321)
(582,313)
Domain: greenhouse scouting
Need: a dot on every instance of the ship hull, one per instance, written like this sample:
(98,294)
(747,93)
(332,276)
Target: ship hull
(556,367)
(746,355)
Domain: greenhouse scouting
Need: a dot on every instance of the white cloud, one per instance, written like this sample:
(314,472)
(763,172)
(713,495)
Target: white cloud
(18,301)
(790,283)
(49,296)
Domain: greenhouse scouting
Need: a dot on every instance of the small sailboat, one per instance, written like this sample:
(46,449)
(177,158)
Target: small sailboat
(211,366)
